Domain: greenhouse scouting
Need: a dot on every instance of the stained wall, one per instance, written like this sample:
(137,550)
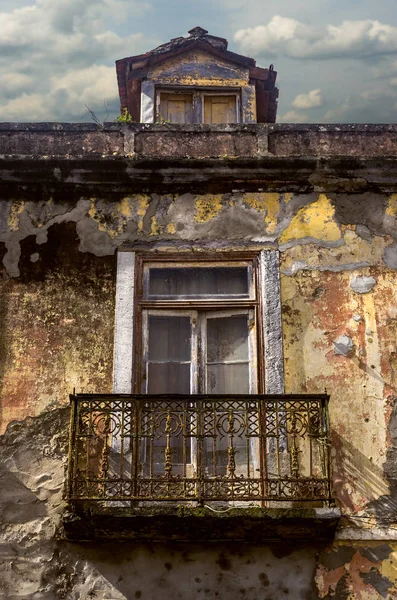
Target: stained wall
(338,265)
(198,69)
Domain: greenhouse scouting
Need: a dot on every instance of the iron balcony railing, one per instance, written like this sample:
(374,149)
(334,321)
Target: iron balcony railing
(160,448)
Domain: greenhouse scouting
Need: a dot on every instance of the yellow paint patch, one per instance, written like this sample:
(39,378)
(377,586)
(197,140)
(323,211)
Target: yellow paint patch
(175,71)
(388,567)
(155,228)
(93,212)
(316,221)
(171,228)
(273,209)
(16,210)
(125,208)
(266,202)
(256,201)
(143,205)
(355,249)
(134,208)
(208,207)
(391,209)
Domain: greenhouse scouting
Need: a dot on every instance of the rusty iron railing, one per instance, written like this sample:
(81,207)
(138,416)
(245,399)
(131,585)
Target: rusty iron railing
(159,448)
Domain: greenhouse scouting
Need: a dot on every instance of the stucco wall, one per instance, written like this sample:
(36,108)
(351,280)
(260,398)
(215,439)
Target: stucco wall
(338,263)
(198,69)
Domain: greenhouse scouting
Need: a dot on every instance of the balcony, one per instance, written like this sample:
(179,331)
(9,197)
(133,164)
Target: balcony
(157,454)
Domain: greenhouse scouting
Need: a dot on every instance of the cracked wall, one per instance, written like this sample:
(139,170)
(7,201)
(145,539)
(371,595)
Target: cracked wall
(338,261)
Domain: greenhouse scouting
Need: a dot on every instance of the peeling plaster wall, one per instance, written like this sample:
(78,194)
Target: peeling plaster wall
(57,325)
(36,563)
(198,69)
(338,262)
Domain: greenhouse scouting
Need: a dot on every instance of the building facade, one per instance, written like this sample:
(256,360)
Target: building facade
(248,264)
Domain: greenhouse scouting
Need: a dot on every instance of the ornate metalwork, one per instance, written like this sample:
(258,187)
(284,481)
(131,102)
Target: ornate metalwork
(147,448)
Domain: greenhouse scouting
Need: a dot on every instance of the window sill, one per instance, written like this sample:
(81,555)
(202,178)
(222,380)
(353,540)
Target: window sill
(198,524)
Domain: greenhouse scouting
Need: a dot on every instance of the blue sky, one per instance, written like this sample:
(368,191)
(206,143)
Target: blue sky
(336,59)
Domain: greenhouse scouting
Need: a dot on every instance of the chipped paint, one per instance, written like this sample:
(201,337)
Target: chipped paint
(357,572)
(155,228)
(17,209)
(125,208)
(355,253)
(391,209)
(171,228)
(197,68)
(314,221)
(265,202)
(57,304)
(143,205)
(207,207)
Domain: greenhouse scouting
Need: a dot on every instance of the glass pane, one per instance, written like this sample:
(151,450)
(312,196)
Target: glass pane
(168,378)
(198,281)
(169,338)
(228,379)
(227,338)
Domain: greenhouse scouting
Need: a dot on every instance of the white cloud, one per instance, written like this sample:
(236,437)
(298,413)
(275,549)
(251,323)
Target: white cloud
(294,39)
(51,56)
(12,82)
(312,99)
(293,116)
(371,106)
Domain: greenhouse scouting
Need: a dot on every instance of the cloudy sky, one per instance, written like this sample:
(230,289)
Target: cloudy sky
(336,59)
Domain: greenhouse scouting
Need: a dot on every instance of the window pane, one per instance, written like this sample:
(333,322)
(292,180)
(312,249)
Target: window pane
(169,378)
(227,338)
(198,281)
(228,379)
(169,338)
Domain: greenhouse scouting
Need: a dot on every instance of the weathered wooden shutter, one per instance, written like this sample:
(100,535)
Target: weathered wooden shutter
(220,109)
(176,108)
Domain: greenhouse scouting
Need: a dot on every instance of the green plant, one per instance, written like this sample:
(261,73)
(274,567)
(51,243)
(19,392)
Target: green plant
(125,117)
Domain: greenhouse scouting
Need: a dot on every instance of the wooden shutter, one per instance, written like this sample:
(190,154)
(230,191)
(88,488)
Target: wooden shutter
(176,108)
(220,109)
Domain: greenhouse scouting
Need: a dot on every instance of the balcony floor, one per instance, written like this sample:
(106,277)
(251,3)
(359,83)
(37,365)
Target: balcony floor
(181,523)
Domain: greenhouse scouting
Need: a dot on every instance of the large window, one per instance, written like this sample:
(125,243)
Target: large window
(198,323)
(198,331)
(200,320)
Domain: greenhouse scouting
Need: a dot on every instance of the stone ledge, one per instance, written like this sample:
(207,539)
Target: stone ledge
(74,140)
(123,176)
(197,524)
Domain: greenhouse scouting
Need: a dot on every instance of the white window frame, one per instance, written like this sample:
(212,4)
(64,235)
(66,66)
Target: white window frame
(269,289)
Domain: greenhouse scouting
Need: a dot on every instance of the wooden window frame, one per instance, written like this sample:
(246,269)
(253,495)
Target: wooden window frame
(251,259)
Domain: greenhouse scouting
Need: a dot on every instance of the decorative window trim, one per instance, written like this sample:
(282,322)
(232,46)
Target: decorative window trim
(270,303)
(124,324)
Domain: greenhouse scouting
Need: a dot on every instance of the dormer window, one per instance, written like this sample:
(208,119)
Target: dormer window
(196,79)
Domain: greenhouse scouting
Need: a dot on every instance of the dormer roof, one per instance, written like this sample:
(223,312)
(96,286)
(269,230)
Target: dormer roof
(134,69)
